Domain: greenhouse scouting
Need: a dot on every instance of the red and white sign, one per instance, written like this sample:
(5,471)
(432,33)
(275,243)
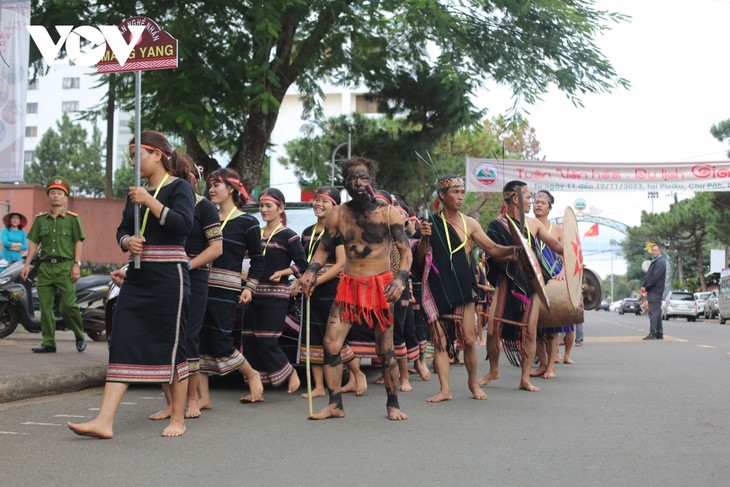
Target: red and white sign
(156,49)
(490,175)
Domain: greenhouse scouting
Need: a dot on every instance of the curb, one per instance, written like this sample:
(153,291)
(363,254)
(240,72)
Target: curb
(27,386)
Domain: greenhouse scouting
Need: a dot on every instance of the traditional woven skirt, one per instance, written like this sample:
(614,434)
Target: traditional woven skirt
(150,318)
(196,312)
(319,311)
(218,353)
(263,324)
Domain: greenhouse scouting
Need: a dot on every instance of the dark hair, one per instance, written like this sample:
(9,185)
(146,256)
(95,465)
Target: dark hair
(170,157)
(226,176)
(279,197)
(185,169)
(512,187)
(330,191)
(402,203)
(360,161)
(550,197)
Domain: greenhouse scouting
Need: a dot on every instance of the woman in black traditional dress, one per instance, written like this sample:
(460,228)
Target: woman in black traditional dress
(148,343)
(241,236)
(203,246)
(264,320)
(323,296)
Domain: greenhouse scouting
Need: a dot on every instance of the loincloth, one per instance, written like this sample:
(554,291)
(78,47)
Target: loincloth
(362,300)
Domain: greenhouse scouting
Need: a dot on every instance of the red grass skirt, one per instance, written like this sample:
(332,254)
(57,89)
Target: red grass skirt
(362,300)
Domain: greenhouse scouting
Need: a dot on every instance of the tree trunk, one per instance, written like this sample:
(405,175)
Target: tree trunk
(249,158)
(109,174)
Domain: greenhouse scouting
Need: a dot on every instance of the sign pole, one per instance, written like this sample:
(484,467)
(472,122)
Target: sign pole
(137,151)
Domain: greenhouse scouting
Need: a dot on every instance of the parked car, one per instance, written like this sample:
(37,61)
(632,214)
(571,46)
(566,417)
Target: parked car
(679,304)
(614,306)
(701,299)
(711,306)
(605,305)
(630,305)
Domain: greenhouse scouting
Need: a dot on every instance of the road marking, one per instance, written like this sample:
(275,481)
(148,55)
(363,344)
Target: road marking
(129,403)
(33,423)
(705,346)
(156,398)
(12,433)
(68,416)
(624,339)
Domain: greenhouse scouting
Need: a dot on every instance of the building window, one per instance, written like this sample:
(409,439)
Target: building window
(28,156)
(70,83)
(70,106)
(31,131)
(31,108)
(33,84)
(363,105)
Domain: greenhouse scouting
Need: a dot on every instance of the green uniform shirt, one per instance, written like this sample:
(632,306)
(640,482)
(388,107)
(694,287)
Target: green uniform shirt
(57,236)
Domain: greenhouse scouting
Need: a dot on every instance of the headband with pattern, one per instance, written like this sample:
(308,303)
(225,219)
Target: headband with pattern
(447,183)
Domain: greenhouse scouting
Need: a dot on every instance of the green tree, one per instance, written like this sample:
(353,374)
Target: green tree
(394,143)
(237,64)
(67,152)
(123,179)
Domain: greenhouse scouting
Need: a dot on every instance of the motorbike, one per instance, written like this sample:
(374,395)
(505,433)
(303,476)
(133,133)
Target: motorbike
(19,302)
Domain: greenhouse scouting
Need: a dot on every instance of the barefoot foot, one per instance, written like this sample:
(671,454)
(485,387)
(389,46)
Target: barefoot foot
(568,361)
(441,396)
(538,372)
(294,382)
(161,414)
(395,414)
(527,386)
(477,392)
(549,374)
(405,386)
(331,411)
(488,378)
(256,387)
(315,393)
(93,429)
(380,381)
(174,429)
(423,370)
(193,409)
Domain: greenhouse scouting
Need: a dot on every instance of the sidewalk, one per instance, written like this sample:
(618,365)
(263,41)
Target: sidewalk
(24,374)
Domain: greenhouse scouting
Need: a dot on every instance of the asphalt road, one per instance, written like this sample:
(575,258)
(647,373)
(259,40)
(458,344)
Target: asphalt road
(629,412)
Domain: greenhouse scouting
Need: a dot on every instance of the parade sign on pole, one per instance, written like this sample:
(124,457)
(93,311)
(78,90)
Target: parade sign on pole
(155,49)
(490,175)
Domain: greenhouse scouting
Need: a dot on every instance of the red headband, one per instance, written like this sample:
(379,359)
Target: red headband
(266,197)
(326,196)
(384,199)
(236,183)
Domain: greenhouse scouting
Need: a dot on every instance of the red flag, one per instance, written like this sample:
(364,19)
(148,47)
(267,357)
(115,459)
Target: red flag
(592,232)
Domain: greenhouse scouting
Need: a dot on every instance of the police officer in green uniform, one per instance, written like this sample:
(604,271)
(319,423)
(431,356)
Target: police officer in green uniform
(59,235)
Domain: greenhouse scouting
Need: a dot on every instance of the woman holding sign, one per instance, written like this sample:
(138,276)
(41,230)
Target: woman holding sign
(151,313)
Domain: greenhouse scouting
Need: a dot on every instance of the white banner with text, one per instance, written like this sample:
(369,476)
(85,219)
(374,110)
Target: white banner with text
(490,175)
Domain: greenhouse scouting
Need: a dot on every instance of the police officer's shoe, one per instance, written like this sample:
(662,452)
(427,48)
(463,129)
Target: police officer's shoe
(80,345)
(44,349)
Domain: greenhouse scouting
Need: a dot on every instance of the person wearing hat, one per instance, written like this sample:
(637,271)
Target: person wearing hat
(59,234)
(13,236)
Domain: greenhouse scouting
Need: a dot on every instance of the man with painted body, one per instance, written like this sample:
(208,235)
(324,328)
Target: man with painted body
(367,286)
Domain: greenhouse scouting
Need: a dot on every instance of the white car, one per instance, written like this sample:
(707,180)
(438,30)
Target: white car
(701,299)
(615,306)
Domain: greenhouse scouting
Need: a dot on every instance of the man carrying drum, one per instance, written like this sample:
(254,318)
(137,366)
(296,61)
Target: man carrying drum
(514,300)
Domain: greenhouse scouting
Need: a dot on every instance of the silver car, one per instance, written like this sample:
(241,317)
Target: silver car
(701,299)
(680,304)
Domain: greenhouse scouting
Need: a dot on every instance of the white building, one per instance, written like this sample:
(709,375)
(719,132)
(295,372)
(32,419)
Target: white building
(70,89)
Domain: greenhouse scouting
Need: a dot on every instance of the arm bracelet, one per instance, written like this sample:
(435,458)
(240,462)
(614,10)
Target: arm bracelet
(314,267)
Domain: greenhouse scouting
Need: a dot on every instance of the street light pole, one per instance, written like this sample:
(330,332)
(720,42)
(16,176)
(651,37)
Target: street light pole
(334,153)
(612,242)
